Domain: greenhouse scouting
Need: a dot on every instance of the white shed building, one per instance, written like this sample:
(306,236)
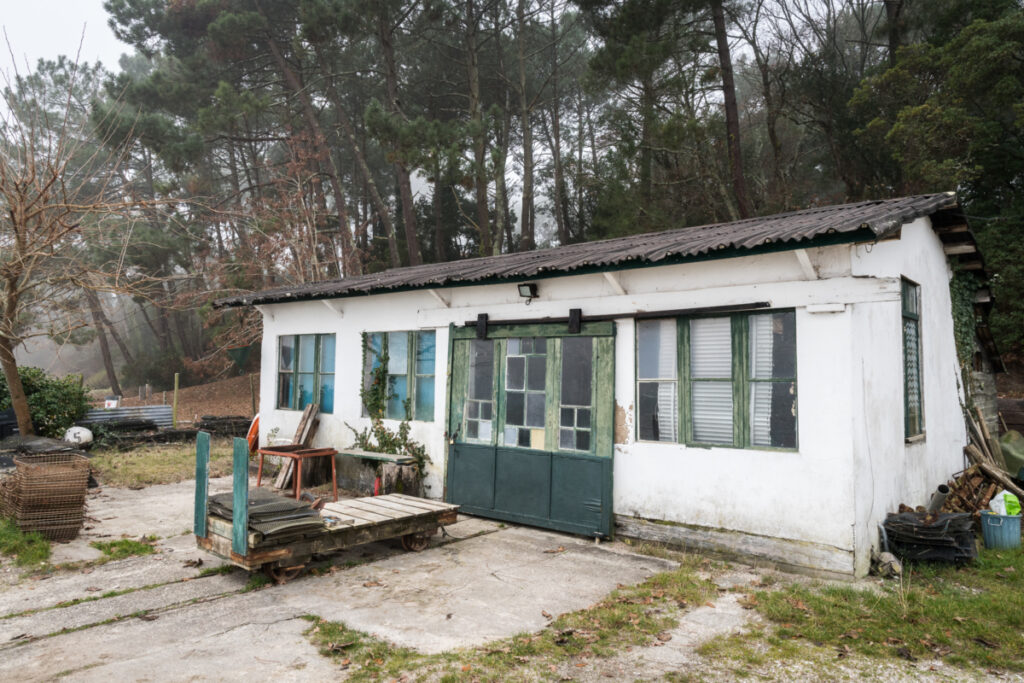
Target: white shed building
(769,387)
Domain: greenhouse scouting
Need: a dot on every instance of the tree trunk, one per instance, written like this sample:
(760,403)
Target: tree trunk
(527,240)
(732,120)
(476,119)
(353,264)
(383,212)
(18,399)
(440,252)
(893,9)
(412,242)
(97,319)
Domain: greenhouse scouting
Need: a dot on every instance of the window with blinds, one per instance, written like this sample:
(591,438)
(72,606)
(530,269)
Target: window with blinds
(722,380)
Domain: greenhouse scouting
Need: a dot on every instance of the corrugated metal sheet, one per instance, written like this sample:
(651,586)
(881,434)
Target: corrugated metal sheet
(161,415)
(882,218)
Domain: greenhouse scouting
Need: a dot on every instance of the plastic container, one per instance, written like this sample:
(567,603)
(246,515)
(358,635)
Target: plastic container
(1001,532)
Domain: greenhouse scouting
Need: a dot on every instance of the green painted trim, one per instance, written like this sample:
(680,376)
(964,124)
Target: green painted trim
(240,497)
(202,483)
(860,235)
(602,419)
(604,328)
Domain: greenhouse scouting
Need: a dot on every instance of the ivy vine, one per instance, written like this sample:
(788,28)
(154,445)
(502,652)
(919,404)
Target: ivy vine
(963,287)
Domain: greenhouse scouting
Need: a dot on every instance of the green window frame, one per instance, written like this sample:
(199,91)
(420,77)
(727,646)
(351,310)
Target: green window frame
(411,371)
(305,371)
(727,380)
(567,406)
(913,391)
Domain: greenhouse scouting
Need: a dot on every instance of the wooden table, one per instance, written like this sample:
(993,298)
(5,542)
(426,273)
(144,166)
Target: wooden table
(298,454)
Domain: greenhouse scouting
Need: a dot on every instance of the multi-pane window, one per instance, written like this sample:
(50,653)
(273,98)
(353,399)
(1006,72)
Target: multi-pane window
(525,397)
(480,394)
(658,386)
(575,412)
(410,371)
(913,413)
(537,393)
(725,380)
(305,371)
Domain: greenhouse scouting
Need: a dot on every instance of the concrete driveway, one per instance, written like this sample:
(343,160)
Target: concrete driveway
(160,620)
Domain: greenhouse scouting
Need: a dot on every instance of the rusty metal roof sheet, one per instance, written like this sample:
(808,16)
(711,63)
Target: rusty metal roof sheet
(880,218)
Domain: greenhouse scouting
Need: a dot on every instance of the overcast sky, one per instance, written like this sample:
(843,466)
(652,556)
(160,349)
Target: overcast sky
(44,29)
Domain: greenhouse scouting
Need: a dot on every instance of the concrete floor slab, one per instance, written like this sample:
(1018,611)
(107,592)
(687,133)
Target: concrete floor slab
(471,592)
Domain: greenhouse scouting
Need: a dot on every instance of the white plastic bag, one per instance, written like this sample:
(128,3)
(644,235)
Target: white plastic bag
(1005,503)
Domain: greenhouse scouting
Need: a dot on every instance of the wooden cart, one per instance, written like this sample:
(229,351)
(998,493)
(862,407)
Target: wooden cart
(347,523)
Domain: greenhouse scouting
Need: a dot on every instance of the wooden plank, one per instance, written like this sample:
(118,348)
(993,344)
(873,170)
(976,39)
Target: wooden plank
(348,513)
(373,508)
(379,457)
(240,497)
(433,504)
(221,527)
(958,248)
(360,512)
(202,483)
(405,508)
(285,475)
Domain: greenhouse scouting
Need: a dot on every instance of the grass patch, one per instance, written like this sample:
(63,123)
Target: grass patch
(118,550)
(222,569)
(629,616)
(256,582)
(26,549)
(970,617)
(158,464)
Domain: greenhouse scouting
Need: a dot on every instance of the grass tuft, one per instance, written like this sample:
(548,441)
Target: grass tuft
(118,550)
(26,549)
(152,464)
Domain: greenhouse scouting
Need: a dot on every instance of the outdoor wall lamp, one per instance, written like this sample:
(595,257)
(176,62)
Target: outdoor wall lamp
(528,290)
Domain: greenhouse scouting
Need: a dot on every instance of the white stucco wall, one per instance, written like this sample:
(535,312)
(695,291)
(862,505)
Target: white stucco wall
(851,465)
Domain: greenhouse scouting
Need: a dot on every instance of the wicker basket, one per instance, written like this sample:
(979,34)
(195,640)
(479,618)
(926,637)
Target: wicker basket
(46,494)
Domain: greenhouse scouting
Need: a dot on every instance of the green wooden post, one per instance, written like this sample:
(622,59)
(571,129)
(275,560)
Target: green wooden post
(202,482)
(240,499)
(174,404)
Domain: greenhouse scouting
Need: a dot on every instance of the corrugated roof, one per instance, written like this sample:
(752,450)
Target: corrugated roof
(882,218)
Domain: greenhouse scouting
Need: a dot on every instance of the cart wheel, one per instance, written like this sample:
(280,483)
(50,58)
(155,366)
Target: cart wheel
(282,575)
(415,542)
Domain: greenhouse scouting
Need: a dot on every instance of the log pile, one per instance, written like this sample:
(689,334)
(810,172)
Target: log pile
(972,490)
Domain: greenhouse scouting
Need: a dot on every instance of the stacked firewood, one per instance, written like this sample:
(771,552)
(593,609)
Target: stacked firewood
(972,490)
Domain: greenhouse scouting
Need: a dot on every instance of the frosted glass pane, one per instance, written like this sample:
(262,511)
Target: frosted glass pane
(656,349)
(287,353)
(425,398)
(327,353)
(485,431)
(711,404)
(396,405)
(535,410)
(773,345)
(515,373)
(398,353)
(305,390)
(481,369)
(658,411)
(773,414)
(307,352)
(711,347)
(577,369)
(425,353)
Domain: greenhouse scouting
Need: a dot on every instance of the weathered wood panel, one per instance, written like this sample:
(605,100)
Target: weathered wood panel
(240,497)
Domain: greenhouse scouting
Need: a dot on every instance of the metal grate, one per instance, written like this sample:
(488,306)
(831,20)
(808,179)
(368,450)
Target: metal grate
(46,493)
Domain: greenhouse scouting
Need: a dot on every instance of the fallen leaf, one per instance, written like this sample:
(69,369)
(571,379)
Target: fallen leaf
(665,636)
(148,617)
(709,604)
(559,549)
(87,570)
(338,647)
(893,641)
(467,667)
(198,562)
(448,616)
(959,620)
(372,584)
(92,589)
(546,615)
(843,651)
(581,664)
